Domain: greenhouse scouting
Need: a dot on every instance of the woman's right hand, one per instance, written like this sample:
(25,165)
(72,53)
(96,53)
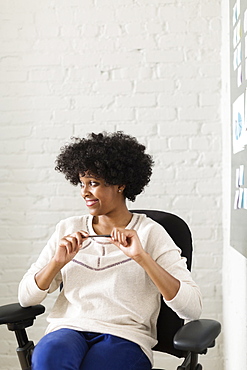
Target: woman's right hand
(69,246)
(66,250)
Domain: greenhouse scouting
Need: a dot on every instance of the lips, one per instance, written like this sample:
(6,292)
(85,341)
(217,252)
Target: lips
(91,202)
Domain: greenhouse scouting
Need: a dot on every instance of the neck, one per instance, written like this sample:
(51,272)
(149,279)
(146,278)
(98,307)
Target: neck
(104,224)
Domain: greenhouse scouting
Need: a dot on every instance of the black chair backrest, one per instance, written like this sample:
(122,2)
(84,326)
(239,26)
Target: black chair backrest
(168,321)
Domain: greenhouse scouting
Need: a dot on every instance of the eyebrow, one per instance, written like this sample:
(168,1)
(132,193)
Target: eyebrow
(89,175)
(90,179)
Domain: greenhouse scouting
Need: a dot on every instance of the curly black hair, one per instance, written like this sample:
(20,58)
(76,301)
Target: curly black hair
(116,157)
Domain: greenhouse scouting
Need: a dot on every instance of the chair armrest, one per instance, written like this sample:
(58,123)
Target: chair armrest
(13,313)
(196,336)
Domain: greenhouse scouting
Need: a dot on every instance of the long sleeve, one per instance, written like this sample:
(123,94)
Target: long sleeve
(188,301)
(29,293)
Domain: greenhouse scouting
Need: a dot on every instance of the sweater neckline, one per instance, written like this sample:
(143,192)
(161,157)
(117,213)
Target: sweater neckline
(131,225)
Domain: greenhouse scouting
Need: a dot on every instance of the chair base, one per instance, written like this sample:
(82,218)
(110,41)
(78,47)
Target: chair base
(190,363)
(25,354)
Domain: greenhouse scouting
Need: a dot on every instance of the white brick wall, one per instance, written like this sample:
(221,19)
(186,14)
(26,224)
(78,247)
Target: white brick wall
(149,68)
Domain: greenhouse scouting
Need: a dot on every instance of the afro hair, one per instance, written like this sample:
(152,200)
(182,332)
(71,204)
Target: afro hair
(116,157)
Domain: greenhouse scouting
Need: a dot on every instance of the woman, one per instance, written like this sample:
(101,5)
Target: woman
(105,316)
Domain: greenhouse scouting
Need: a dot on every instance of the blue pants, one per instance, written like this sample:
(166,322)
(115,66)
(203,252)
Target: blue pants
(73,350)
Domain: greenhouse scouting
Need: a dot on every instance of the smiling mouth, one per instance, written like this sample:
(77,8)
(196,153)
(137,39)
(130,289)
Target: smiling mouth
(90,203)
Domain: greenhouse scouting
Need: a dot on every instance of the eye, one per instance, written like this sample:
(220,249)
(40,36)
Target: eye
(93,183)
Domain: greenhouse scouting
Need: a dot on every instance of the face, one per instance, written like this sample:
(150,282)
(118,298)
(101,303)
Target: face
(100,198)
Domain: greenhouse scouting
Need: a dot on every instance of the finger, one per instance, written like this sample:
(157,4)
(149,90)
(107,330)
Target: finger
(122,238)
(113,234)
(83,233)
(114,237)
(79,238)
(72,244)
(64,243)
(118,237)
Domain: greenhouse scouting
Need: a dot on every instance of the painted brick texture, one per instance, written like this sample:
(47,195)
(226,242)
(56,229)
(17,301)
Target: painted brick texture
(148,68)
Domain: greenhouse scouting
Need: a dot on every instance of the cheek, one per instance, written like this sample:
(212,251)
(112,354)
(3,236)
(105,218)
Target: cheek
(106,194)
(108,197)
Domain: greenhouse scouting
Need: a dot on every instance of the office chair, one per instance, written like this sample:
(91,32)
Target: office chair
(183,341)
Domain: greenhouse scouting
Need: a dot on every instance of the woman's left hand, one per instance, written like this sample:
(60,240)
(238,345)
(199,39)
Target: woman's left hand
(128,242)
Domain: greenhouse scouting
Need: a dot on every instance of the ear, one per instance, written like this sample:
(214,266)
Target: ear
(121,188)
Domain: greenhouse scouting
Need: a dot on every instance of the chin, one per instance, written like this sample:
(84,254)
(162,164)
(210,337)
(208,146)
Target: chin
(95,212)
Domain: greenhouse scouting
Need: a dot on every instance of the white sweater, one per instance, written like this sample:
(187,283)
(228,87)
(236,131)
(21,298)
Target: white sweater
(105,291)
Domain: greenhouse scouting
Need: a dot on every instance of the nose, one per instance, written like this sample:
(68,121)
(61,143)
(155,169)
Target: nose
(84,191)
